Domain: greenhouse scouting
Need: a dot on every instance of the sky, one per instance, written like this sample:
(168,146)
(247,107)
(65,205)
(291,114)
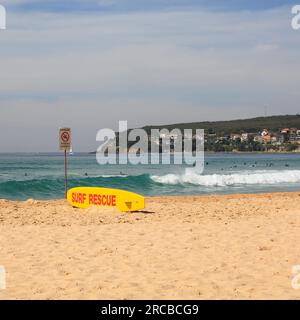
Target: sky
(87,64)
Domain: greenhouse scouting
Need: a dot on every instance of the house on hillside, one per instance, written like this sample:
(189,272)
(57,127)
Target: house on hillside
(245,137)
(258,139)
(267,139)
(265,132)
(285,135)
(235,137)
(293,131)
(285,131)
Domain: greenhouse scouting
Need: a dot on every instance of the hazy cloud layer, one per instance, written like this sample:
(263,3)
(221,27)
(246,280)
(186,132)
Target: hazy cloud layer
(138,5)
(89,70)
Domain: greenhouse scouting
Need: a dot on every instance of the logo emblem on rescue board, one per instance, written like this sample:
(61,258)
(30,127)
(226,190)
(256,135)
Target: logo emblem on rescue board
(85,197)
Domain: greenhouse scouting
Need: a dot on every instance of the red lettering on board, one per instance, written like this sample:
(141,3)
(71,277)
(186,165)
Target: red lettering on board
(78,197)
(104,200)
(113,200)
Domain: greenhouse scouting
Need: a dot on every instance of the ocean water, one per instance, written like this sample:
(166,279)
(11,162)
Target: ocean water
(41,176)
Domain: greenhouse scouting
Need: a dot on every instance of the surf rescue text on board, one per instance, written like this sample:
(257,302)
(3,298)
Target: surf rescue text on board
(94,199)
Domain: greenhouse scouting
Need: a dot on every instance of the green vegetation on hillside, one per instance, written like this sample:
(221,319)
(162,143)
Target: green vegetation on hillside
(273,123)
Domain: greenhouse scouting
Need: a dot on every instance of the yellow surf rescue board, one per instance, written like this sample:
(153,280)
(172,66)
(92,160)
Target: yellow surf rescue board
(85,197)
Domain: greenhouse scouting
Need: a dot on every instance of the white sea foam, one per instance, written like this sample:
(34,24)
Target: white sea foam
(113,176)
(238,178)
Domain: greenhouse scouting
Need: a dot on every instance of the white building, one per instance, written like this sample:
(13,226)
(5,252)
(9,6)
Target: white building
(244,137)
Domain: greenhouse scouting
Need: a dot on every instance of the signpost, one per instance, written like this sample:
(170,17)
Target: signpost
(65,144)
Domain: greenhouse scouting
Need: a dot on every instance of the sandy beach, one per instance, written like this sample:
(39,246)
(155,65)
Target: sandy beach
(190,247)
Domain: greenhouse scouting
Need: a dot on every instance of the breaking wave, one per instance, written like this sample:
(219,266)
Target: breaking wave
(232,179)
(189,182)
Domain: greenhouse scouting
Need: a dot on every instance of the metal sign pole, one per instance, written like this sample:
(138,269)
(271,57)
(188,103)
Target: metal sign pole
(66,174)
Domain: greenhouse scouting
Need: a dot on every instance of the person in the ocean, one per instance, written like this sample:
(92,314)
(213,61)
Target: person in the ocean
(86,174)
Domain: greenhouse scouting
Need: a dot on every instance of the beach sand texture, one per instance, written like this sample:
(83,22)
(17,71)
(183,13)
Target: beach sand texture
(191,247)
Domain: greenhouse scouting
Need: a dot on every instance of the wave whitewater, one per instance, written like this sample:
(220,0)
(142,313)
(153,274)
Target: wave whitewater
(189,182)
(232,179)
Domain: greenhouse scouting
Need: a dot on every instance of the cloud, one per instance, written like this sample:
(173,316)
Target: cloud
(91,70)
(140,5)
